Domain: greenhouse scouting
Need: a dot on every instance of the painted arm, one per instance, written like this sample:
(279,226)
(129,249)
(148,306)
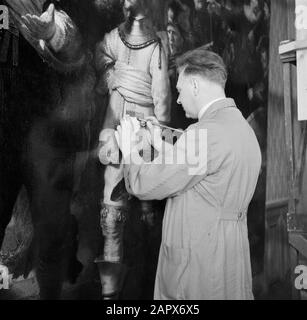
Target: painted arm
(104,61)
(161,91)
(53,29)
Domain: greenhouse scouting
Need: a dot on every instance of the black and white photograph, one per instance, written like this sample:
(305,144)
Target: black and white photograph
(153,150)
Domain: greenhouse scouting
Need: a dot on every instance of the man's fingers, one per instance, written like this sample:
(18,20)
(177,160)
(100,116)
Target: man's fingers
(26,22)
(152,133)
(117,137)
(123,121)
(152,119)
(51,11)
(154,130)
(29,20)
(155,133)
(35,20)
(119,131)
(150,127)
(135,124)
(127,124)
(33,27)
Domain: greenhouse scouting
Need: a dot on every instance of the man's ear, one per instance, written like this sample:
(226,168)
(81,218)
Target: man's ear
(195,86)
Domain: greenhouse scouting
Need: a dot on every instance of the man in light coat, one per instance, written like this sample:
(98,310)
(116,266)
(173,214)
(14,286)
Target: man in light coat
(204,252)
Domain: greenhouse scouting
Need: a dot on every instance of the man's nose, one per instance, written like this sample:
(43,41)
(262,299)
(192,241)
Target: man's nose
(178,100)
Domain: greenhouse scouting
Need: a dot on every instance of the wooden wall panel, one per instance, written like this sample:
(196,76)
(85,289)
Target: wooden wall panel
(277,164)
(276,250)
(282,28)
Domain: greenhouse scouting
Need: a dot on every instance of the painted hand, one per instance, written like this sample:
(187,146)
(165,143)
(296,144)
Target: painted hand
(127,136)
(40,26)
(108,151)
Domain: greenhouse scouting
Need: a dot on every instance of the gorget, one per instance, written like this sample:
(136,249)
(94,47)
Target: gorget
(137,34)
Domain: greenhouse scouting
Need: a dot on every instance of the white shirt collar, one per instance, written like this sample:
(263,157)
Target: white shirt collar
(207,106)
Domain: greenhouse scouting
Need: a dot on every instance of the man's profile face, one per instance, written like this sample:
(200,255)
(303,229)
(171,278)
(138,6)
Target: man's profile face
(186,97)
(175,40)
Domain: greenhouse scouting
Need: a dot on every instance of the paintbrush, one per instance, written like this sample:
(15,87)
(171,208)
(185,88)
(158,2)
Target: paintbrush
(143,124)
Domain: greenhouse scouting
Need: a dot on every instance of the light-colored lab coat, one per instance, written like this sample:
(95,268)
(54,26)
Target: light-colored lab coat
(204,252)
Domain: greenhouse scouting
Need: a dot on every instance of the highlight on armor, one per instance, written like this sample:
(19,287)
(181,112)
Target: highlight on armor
(4,17)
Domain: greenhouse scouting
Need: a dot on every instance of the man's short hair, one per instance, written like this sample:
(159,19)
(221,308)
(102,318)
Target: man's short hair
(203,62)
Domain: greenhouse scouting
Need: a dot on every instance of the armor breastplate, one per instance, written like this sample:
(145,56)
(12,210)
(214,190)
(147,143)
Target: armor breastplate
(137,33)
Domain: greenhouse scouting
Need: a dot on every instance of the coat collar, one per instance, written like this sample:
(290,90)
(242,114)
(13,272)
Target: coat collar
(218,105)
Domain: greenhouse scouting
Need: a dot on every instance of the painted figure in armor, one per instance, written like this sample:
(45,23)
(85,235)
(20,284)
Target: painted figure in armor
(134,72)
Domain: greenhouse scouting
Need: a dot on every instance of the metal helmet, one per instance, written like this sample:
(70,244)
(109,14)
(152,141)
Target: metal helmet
(137,31)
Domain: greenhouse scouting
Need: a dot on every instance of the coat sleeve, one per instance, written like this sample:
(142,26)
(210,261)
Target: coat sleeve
(177,169)
(67,38)
(161,92)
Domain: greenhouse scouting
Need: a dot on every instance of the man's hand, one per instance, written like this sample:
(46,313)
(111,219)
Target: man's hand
(108,151)
(30,15)
(155,133)
(41,27)
(126,136)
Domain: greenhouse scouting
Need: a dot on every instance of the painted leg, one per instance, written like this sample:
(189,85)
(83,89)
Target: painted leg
(113,217)
(50,186)
(111,268)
